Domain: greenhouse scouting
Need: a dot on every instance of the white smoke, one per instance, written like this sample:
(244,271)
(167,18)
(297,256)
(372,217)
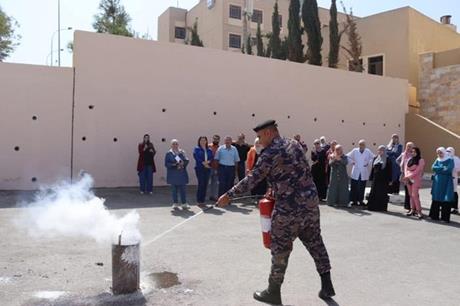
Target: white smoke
(72,210)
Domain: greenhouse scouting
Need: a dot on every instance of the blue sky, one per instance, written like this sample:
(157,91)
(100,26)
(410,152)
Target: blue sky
(38,19)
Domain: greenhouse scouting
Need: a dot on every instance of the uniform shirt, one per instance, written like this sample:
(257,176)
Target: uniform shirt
(361,163)
(284,165)
(227,157)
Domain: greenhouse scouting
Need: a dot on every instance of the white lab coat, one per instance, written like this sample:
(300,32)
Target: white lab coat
(455,172)
(361,163)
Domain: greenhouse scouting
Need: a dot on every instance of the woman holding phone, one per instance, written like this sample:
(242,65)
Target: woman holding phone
(176,165)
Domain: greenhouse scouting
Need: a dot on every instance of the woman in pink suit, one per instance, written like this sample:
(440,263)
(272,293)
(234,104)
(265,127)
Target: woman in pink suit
(413,173)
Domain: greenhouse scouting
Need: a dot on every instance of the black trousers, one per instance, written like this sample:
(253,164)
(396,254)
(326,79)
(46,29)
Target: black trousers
(455,202)
(394,187)
(241,170)
(445,210)
(406,198)
(358,187)
(226,178)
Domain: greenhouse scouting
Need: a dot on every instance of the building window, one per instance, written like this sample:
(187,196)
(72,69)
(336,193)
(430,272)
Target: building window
(235,12)
(179,33)
(375,65)
(234,41)
(257,16)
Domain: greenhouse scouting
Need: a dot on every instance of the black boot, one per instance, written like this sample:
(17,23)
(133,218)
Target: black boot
(327,289)
(271,295)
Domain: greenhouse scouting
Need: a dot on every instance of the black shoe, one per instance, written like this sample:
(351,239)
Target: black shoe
(454,211)
(327,289)
(271,295)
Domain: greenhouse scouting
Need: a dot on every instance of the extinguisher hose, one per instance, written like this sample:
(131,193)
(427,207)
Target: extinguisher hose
(254,197)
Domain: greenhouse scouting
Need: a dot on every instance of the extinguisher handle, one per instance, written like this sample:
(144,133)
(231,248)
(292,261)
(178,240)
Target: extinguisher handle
(269,195)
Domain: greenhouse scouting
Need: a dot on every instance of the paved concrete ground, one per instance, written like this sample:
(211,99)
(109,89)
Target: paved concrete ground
(378,258)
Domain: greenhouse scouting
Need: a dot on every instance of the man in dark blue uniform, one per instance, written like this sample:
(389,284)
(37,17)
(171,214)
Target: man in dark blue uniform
(296,214)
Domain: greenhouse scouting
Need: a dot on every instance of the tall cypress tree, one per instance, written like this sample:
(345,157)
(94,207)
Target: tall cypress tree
(275,40)
(260,42)
(312,25)
(249,45)
(112,19)
(294,43)
(335,36)
(334,39)
(196,41)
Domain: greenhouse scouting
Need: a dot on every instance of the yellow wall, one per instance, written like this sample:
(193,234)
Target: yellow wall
(429,136)
(45,143)
(387,34)
(447,58)
(210,23)
(122,100)
(427,35)
(193,83)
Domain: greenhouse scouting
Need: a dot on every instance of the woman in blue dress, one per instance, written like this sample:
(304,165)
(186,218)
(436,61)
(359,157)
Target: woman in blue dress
(442,189)
(203,158)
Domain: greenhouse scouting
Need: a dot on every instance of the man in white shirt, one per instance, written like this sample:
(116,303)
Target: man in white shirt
(451,152)
(361,159)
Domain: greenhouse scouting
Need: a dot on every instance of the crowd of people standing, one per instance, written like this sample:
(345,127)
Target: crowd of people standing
(218,166)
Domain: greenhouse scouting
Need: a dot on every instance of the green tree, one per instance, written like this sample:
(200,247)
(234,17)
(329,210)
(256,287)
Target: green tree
(260,42)
(334,36)
(249,45)
(275,40)
(312,26)
(294,43)
(112,19)
(9,40)
(196,41)
(355,46)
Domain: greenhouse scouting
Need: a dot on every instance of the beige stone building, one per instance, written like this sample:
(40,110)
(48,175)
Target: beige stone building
(221,22)
(439,89)
(392,40)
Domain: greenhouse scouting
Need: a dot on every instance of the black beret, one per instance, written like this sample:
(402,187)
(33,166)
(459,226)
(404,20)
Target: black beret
(264,125)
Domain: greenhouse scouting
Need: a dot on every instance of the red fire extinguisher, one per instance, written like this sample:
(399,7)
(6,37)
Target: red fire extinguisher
(266,206)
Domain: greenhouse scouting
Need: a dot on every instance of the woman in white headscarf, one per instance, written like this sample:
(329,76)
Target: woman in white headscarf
(442,189)
(381,179)
(451,152)
(338,192)
(176,163)
(394,150)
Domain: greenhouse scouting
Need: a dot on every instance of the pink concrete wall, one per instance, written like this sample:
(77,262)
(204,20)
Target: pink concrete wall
(35,125)
(129,81)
